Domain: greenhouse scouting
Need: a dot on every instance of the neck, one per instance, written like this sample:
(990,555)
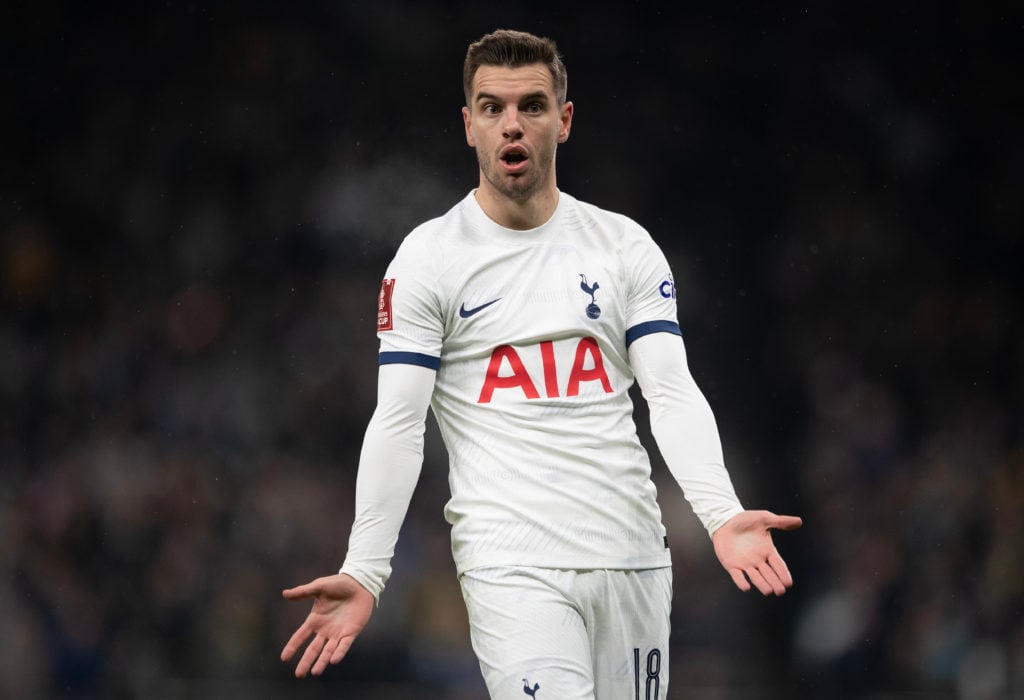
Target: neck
(518,215)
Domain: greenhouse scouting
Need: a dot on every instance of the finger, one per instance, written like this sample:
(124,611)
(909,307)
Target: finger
(297,640)
(312,651)
(739,579)
(779,565)
(344,644)
(758,580)
(325,657)
(772,579)
(785,522)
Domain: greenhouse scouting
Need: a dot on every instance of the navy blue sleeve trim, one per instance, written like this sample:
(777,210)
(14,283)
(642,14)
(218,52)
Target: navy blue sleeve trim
(409,358)
(642,329)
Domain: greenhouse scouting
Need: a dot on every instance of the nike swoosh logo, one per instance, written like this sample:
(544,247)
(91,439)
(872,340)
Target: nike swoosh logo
(466,313)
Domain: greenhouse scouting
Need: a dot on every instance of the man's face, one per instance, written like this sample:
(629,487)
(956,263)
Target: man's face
(515,124)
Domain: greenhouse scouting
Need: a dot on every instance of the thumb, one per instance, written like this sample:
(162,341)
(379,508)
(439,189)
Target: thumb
(306,590)
(785,522)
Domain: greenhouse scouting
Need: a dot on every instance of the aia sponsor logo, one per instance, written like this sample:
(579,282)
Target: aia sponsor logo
(507,371)
(385,320)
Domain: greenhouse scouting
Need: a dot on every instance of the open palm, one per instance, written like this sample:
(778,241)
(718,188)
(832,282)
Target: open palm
(744,547)
(341,608)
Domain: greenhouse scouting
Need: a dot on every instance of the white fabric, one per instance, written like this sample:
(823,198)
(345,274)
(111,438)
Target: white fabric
(572,635)
(528,332)
(684,427)
(389,467)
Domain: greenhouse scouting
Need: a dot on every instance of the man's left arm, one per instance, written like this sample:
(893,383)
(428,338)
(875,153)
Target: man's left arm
(684,427)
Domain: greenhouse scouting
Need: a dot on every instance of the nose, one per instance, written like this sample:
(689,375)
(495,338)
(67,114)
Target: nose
(511,128)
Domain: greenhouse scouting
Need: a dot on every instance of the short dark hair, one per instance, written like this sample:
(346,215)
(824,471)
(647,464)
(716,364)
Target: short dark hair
(511,48)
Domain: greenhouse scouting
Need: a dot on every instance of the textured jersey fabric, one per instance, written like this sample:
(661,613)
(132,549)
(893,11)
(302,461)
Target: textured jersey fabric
(528,332)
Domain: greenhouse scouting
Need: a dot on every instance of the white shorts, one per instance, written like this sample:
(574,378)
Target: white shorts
(552,634)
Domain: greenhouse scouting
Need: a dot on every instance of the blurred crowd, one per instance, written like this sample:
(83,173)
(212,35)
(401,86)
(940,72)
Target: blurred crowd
(198,205)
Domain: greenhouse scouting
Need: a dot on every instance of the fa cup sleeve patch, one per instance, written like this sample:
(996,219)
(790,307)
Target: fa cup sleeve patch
(385,321)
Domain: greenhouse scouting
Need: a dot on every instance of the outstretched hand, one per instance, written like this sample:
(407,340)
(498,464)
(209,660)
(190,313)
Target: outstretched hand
(341,608)
(744,547)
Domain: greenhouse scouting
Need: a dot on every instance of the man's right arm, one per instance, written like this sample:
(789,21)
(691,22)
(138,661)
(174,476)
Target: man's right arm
(389,467)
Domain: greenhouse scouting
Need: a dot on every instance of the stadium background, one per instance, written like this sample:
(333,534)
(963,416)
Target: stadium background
(198,203)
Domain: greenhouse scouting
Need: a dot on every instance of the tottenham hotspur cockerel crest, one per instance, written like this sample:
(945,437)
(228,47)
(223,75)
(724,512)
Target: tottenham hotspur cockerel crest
(593,310)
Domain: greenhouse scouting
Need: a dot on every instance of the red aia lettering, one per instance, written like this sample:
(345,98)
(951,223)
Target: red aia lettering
(587,346)
(520,377)
(588,352)
(547,353)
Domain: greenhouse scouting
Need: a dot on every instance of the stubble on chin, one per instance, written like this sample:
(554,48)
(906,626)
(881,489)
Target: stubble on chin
(518,188)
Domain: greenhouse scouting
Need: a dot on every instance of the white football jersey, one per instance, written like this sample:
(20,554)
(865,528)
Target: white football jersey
(528,332)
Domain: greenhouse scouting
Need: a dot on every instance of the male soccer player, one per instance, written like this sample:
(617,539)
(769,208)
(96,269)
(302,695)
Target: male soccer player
(522,317)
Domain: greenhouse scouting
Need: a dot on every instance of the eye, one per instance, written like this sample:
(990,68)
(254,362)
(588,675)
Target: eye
(490,108)
(535,107)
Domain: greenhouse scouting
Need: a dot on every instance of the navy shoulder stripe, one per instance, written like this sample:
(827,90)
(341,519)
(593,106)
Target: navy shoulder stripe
(409,358)
(648,327)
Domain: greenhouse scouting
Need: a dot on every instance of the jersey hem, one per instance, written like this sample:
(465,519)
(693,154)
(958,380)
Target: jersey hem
(661,561)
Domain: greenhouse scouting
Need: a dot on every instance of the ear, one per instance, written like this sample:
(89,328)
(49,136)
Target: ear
(566,122)
(467,117)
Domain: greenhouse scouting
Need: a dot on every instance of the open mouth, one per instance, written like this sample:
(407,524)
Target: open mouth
(514,157)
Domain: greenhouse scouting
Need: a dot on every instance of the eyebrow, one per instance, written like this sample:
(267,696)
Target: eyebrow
(539,95)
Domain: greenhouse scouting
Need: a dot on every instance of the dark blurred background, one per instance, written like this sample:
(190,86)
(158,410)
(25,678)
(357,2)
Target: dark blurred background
(197,204)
